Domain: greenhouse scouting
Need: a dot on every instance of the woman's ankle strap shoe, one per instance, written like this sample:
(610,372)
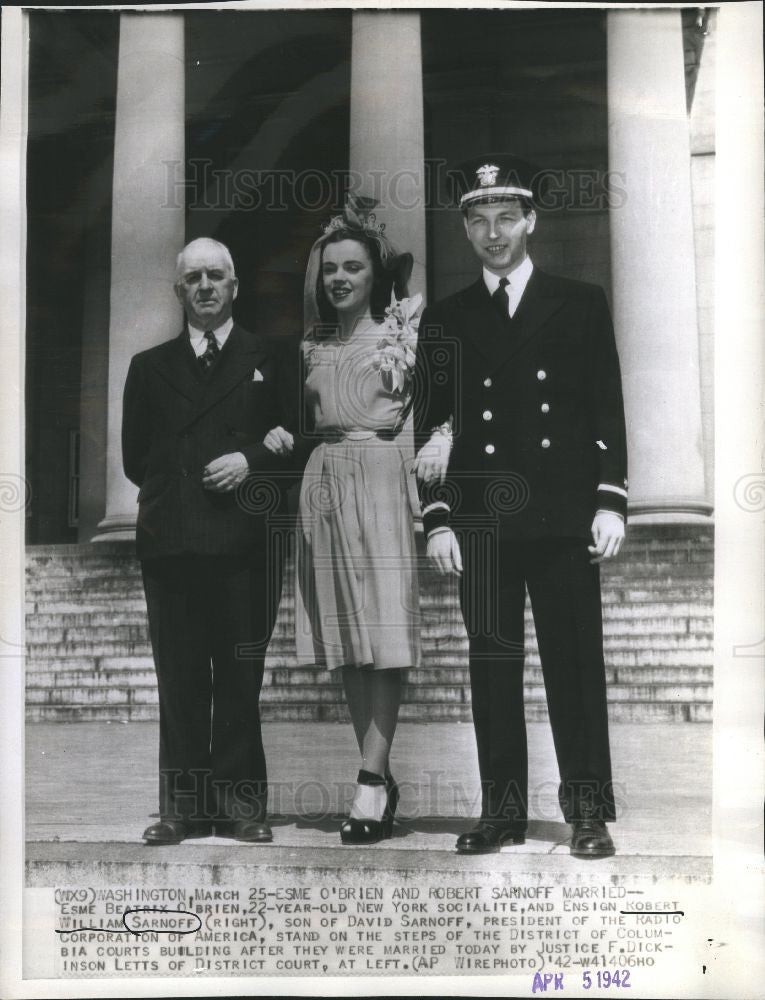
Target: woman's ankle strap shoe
(371,831)
(369,778)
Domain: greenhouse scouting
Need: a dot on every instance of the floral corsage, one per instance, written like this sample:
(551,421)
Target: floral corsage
(395,354)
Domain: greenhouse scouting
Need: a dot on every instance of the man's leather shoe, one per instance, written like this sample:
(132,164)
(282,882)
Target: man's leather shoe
(173,831)
(590,839)
(488,838)
(251,831)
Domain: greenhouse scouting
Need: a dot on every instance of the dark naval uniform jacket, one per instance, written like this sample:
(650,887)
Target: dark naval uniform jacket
(177,418)
(536,403)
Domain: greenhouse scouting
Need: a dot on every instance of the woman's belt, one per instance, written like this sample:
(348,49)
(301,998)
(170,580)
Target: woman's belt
(338,436)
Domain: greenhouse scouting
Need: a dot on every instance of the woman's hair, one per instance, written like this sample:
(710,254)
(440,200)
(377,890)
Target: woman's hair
(385,276)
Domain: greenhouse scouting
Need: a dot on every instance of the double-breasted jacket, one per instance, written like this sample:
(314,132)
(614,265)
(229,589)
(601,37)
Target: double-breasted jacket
(536,408)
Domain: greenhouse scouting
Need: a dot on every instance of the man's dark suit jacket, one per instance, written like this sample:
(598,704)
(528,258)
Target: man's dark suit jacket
(177,418)
(542,392)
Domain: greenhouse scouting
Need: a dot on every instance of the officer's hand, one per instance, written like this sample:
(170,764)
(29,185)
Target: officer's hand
(444,551)
(433,459)
(279,441)
(608,535)
(224,474)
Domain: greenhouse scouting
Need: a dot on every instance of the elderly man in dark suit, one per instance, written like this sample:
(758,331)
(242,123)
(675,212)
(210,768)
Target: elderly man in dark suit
(523,473)
(196,410)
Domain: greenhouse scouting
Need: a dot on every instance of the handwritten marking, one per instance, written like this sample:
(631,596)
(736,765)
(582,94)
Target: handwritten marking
(140,909)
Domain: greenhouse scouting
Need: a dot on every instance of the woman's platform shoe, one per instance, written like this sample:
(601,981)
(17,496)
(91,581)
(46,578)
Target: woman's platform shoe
(371,831)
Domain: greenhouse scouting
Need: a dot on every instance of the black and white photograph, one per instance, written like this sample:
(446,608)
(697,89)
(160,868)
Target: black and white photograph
(381,500)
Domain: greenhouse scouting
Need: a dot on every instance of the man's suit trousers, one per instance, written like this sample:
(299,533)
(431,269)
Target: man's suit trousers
(210,620)
(564,590)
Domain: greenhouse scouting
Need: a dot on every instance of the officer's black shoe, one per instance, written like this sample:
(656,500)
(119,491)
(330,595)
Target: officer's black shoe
(173,831)
(590,839)
(487,837)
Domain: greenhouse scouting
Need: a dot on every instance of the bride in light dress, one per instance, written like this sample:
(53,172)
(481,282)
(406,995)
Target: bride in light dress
(357,594)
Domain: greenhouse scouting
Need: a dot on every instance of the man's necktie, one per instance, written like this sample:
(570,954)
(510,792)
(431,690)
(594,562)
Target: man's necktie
(501,299)
(211,352)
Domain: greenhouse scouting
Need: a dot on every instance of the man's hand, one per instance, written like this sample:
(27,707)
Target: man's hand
(433,459)
(279,441)
(443,552)
(224,474)
(608,535)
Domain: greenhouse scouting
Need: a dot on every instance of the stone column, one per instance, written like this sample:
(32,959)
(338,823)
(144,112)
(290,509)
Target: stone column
(94,366)
(14,487)
(147,223)
(387,148)
(652,247)
(387,144)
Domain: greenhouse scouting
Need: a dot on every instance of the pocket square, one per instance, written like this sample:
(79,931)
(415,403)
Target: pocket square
(257,375)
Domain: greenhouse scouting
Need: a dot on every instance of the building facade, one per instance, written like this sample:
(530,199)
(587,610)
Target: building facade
(149,129)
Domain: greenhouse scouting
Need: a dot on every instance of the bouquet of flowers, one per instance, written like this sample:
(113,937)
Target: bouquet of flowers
(394,357)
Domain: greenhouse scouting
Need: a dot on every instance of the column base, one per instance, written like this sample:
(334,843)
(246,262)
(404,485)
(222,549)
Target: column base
(670,512)
(115,528)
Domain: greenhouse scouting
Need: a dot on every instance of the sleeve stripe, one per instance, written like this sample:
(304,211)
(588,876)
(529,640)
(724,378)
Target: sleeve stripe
(438,530)
(613,489)
(438,505)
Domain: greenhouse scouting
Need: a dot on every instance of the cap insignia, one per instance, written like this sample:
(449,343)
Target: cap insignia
(487,175)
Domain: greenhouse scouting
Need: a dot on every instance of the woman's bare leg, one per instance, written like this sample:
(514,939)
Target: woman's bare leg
(373,697)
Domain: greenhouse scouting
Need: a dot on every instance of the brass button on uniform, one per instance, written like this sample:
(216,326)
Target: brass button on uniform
(545,407)
(487,383)
(545,442)
(541,374)
(489,449)
(487,414)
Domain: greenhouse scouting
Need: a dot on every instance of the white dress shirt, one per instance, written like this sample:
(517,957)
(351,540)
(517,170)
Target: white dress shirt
(198,341)
(517,281)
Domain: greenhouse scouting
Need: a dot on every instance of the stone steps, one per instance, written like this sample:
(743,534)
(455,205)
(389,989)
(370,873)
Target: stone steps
(443,638)
(295,677)
(102,581)
(43,610)
(620,651)
(425,694)
(125,712)
(89,655)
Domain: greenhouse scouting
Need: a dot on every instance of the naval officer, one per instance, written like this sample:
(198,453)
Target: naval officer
(523,475)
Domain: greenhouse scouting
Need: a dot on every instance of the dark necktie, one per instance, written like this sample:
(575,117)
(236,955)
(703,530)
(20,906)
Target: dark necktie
(211,352)
(501,299)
